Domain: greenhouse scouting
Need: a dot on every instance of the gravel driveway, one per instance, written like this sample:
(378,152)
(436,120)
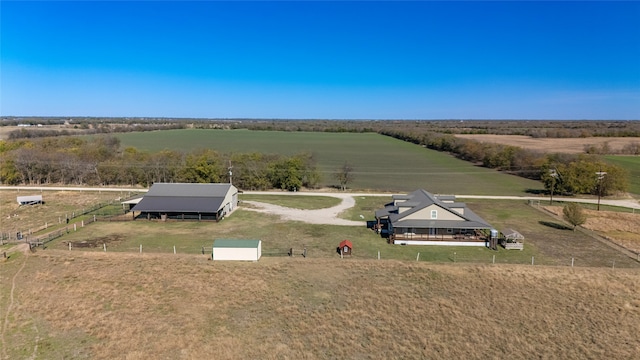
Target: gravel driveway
(327,216)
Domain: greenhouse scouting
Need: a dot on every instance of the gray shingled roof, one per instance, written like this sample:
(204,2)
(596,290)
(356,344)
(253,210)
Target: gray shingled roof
(421,199)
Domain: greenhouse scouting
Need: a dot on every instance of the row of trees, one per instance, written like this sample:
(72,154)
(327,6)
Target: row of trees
(577,172)
(72,160)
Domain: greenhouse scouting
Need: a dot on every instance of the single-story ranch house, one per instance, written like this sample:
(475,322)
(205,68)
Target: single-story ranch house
(183,201)
(421,218)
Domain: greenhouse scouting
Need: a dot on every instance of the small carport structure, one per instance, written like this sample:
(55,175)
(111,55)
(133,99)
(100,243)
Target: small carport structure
(236,249)
(30,200)
(512,240)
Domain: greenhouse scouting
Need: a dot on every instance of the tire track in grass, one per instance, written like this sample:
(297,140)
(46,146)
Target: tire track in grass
(9,308)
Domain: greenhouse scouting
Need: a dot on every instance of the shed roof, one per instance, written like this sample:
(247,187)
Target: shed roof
(512,234)
(29,198)
(235,243)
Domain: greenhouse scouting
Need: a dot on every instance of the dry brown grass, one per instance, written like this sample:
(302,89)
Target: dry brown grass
(621,228)
(57,204)
(553,145)
(6,130)
(131,306)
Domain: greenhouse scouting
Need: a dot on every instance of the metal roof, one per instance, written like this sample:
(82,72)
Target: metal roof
(235,243)
(184,198)
(29,198)
(179,204)
(188,189)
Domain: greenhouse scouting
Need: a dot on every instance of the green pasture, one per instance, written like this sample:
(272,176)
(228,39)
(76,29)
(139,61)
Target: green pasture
(632,164)
(380,163)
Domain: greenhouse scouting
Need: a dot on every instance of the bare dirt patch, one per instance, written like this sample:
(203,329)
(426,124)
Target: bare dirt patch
(96,242)
(552,145)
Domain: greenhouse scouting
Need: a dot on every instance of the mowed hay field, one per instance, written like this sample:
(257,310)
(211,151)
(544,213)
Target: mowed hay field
(553,145)
(380,162)
(130,306)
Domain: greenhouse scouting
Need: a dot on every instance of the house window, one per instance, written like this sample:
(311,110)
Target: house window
(449,231)
(434,214)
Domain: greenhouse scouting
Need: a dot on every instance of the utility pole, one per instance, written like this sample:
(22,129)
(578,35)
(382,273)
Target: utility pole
(554,175)
(600,175)
(230,172)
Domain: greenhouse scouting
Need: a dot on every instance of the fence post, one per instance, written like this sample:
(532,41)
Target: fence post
(174,249)
(74,227)
(418,257)
(572,259)
(493,261)
(46,225)
(94,218)
(104,246)
(69,245)
(378,254)
(82,223)
(532,260)
(140,248)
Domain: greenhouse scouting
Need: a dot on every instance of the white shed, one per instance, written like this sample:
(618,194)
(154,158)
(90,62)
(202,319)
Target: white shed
(235,249)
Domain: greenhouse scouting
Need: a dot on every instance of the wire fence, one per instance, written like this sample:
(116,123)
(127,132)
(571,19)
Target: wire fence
(106,210)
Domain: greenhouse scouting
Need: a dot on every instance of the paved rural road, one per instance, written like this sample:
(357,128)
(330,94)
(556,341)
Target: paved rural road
(329,216)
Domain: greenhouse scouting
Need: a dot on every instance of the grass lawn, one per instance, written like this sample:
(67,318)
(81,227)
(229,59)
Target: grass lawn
(303,202)
(380,163)
(547,240)
(632,164)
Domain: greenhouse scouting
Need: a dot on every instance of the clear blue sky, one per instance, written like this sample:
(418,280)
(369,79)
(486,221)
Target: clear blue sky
(329,60)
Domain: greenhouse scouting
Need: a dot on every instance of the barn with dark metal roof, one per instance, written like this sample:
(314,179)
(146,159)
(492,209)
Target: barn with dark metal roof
(184,201)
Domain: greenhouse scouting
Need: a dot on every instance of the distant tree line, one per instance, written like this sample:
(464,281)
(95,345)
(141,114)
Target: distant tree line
(85,128)
(577,172)
(533,128)
(100,161)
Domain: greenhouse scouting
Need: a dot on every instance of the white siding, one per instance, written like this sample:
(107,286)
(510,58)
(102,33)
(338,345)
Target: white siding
(426,214)
(238,254)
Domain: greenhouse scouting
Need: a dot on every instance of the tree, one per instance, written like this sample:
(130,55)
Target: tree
(344,175)
(574,215)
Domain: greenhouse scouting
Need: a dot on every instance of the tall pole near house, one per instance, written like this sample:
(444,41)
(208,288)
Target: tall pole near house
(230,173)
(600,175)
(554,174)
